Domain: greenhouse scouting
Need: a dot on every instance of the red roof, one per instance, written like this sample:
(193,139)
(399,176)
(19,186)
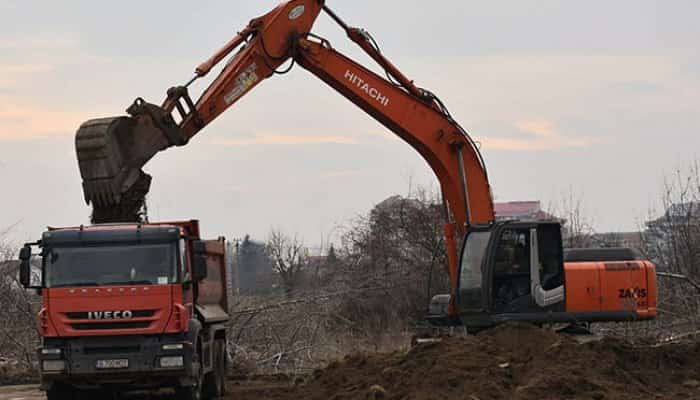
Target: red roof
(517,208)
(522,210)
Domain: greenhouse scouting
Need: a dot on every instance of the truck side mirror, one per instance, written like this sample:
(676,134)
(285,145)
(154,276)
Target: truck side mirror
(199,262)
(25,268)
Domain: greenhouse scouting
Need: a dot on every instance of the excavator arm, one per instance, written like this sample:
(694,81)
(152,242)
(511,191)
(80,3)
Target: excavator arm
(112,151)
(449,151)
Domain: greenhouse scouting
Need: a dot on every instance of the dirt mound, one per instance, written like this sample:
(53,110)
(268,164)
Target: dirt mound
(509,362)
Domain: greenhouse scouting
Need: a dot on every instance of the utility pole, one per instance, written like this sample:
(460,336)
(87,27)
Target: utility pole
(235,265)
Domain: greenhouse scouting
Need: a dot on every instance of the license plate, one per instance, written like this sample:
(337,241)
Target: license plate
(112,364)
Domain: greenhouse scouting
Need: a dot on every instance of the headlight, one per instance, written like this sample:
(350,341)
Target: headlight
(53,365)
(178,346)
(51,352)
(172,362)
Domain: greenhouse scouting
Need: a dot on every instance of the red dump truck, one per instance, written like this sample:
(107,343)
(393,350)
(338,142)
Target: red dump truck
(130,306)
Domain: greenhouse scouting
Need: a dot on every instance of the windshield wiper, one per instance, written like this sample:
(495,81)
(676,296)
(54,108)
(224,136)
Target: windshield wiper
(144,282)
(77,284)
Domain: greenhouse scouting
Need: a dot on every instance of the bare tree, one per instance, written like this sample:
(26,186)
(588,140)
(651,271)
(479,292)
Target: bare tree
(577,226)
(18,308)
(289,258)
(672,242)
(399,247)
(674,238)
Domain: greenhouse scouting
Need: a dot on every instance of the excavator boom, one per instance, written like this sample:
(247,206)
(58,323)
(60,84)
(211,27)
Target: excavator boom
(112,151)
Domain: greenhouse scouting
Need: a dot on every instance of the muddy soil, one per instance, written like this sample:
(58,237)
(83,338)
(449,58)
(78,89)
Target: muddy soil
(14,374)
(512,362)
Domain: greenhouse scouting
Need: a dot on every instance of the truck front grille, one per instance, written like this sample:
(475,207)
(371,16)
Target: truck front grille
(135,314)
(111,325)
(112,350)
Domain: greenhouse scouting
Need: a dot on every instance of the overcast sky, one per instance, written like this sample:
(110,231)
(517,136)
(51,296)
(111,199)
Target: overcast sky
(596,97)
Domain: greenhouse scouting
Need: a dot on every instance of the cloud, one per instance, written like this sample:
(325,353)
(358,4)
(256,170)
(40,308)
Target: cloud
(539,128)
(38,42)
(537,135)
(28,121)
(24,68)
(12,74)
(285,140)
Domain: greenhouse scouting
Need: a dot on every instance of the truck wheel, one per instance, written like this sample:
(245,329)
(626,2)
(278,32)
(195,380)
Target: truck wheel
(191,392)
(60,392)
(215,381)
(220,366)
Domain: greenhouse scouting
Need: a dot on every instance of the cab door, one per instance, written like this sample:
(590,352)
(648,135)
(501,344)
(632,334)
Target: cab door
(526,269)
(471,293)
(547,266)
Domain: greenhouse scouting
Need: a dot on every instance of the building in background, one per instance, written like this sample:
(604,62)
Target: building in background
(521,210)
(632,240)
(672,241)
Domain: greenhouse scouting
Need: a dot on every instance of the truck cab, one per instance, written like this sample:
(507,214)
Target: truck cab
(130,306)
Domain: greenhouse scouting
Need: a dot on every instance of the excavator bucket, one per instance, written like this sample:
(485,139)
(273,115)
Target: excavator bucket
(111,152)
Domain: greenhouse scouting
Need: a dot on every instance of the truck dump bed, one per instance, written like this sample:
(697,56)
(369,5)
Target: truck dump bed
(212,303)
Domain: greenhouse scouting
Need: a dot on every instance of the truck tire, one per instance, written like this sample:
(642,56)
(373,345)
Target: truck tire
(188,393)
(192,392)
(58,392)
(66,392)
(215,381)
(222,354)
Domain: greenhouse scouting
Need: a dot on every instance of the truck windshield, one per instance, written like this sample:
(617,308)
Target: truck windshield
(143,264)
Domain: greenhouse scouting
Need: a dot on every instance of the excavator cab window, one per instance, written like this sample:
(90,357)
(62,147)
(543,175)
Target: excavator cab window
(511,273)
(471,273)
(547,271)
(550,255)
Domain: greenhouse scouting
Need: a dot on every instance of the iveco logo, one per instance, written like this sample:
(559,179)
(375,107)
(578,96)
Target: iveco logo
(110,314)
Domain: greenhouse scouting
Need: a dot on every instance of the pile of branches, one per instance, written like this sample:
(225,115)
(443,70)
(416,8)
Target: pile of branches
(276,334)
(368,294)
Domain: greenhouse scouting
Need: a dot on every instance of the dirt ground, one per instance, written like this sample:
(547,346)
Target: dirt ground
(511,362)
(514,362)
(13,375)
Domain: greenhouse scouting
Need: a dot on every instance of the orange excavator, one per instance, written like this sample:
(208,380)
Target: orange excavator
(505,271)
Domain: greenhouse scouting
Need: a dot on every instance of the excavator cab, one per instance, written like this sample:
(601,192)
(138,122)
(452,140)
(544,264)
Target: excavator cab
(510,271)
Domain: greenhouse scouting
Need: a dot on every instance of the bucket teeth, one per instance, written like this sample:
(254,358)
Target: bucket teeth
(127,207)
